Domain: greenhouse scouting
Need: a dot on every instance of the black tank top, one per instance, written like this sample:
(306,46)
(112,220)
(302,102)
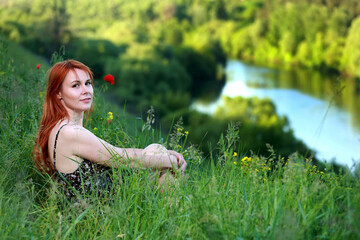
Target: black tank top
(90,179)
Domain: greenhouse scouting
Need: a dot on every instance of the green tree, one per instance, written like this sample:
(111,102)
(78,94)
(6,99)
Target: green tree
(351,57)
(199,14)
(219,10)
(286,21)
(314,20)
(59,24)
(202,69)
(144,73)
(339,22)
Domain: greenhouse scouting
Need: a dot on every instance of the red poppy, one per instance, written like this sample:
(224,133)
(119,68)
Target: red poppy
(38,66)
(109,78)
(109,121)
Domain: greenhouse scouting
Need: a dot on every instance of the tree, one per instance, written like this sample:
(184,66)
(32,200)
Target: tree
(58,25)
(352,49)
(219,11)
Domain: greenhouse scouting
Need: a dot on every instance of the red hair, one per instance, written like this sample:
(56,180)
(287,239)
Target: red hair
(53,111)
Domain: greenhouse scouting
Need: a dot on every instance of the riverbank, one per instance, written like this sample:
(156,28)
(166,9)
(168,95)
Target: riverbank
(305,99)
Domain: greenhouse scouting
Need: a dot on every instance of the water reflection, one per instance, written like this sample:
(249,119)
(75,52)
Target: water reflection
(343,92)
(333,130)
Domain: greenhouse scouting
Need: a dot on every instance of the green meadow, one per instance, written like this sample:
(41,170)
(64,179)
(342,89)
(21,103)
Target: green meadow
(248,176)
(225,194)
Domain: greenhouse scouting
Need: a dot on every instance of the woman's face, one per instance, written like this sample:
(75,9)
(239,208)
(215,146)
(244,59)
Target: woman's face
(76,92)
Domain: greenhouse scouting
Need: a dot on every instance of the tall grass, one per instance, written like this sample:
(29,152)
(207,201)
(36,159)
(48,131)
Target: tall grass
(227,195)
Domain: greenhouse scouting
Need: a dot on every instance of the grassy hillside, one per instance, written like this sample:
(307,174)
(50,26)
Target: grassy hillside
(23,59)
(240,197)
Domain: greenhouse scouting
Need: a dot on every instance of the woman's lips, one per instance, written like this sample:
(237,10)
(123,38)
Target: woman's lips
(86,100)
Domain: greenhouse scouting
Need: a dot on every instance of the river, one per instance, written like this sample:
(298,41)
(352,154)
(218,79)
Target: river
(322,113)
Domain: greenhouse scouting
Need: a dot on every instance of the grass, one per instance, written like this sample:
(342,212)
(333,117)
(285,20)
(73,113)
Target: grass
(227,195)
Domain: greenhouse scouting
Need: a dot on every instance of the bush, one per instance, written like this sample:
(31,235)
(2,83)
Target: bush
(94,53)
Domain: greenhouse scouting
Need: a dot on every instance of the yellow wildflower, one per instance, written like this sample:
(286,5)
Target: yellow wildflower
(235,154)
(110,116)
(186,133)
(235,162)
(95,129)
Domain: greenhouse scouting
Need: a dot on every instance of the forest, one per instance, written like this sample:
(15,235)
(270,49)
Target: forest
(315,34)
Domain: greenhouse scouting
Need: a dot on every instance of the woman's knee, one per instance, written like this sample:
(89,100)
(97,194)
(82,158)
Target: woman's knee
(155,148)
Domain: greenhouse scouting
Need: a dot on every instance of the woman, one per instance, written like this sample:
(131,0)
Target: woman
(78,159)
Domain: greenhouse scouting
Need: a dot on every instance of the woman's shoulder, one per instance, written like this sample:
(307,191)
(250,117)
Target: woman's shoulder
(66,131)
(73,132)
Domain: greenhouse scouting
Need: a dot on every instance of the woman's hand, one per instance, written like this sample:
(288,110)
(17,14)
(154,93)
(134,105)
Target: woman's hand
(181,163)
(177,161)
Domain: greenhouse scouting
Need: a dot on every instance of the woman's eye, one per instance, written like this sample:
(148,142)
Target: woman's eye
(88,83)
(75,85)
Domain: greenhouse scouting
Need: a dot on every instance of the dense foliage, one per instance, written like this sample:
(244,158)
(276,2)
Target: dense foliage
(321,34)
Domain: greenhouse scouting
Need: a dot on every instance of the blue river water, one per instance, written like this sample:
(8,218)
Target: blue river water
(328,129)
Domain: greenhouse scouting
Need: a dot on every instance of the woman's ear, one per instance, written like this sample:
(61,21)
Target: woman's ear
(59,95)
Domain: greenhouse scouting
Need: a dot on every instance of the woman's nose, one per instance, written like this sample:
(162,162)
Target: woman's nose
(84,88)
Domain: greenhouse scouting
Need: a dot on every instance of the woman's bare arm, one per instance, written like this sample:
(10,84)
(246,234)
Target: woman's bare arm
(85,144)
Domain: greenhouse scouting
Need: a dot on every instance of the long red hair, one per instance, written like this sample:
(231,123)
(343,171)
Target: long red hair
(53,111)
